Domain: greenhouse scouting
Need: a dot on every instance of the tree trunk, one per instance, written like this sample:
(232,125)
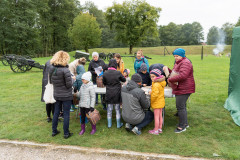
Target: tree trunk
(130,49)
(86,49)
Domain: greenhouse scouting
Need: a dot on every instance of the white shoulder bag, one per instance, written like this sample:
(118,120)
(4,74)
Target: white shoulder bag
(48,94)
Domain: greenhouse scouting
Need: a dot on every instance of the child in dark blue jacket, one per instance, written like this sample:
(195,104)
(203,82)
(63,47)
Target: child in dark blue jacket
(146,80)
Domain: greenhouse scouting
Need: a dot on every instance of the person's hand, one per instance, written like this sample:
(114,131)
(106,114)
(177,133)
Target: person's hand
(149,92)
(74,78)
(144,85)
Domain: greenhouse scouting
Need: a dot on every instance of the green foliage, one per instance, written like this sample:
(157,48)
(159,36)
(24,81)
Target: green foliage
(18,33)
(187,34)
(85,32)
(133,21)
(212,36)
(238,23)
(228,29)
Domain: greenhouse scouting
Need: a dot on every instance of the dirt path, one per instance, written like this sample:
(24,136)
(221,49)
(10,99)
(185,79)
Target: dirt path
(16,150)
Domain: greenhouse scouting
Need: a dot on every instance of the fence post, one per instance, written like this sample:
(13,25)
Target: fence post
(202,54)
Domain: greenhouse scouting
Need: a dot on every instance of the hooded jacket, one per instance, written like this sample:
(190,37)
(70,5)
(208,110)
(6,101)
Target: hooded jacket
(94,64)
(112,80)
(134,103)
(185,79)
(138,62)
(87,95)
(157,95)
(62,82)
(78,83)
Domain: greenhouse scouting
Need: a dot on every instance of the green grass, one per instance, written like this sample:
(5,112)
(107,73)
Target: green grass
(193,50)
(212,130)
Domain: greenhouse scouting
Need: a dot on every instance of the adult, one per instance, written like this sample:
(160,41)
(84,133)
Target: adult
(95,63)
(183,84)
(120,63)
(135,106)
(73,66)
(62,83)
(49,106)
(139,60)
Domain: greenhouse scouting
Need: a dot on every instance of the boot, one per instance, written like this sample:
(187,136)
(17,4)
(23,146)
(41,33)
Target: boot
(109,122)
(83,129)
(72,108)
(93,129)
(119,123)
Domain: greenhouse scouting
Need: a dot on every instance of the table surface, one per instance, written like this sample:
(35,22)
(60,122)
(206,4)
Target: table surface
(167,91)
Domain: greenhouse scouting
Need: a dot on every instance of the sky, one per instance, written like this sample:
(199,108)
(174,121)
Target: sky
(207,12)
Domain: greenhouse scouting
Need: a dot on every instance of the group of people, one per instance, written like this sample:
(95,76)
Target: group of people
(122,93)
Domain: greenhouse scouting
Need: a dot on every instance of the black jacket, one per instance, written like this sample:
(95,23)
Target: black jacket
(45,77)
(62,82)
(145,78)
(111,79)
(94,64)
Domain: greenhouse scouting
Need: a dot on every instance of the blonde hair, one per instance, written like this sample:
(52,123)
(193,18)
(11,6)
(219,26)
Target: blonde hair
(82,61)
(60,58)
(140,52)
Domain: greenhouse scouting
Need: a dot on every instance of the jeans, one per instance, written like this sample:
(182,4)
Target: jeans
(117,109)
(182,109)
(149,116)
(66,105)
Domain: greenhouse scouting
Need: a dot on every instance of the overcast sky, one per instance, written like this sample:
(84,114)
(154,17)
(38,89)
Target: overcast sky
(207,12)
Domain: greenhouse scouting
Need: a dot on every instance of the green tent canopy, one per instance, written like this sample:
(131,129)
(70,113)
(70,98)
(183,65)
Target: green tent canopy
(232,103)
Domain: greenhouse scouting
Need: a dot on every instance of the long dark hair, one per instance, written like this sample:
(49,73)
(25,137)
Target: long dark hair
(117,55)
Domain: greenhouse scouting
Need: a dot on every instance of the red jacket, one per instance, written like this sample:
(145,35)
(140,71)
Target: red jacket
(185,80)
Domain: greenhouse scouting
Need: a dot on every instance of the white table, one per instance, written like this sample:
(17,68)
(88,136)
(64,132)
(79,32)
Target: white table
(167,91)
(99,90)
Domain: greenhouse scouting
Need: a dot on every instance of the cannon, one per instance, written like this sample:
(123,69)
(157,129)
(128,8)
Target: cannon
(80,54)
(102,56)
(21,64)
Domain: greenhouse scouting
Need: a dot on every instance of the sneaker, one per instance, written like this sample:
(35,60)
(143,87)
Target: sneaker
(49,119)
(159,130)
(154,132)
(177,130)
(187,126)
(71,110)
(128,127)
(54,134)
(68,135)
(136,131)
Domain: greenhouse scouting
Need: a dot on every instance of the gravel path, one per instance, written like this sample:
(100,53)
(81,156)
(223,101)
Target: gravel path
(19,150)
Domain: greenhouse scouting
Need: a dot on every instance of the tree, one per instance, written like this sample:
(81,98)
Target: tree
(212,37)
(228,29)
(85,32)
(238,23)
(18,30)
(133,21)
(169,34)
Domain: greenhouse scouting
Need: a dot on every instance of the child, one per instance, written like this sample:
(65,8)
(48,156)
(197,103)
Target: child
(146,80)
(112,80)
(157,100)
(126,73)
(87,100)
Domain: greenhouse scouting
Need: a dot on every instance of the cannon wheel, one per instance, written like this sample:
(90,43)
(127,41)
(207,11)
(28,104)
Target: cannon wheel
(17,67)
(4,61)
(109,56)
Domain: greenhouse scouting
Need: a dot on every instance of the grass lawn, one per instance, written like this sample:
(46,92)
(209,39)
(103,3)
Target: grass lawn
(212,130)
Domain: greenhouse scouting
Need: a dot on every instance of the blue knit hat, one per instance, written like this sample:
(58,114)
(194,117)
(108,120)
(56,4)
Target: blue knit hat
(143,67)
(179,51)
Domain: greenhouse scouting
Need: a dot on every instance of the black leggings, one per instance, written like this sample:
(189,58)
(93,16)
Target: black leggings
(83,113)
(49,108)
